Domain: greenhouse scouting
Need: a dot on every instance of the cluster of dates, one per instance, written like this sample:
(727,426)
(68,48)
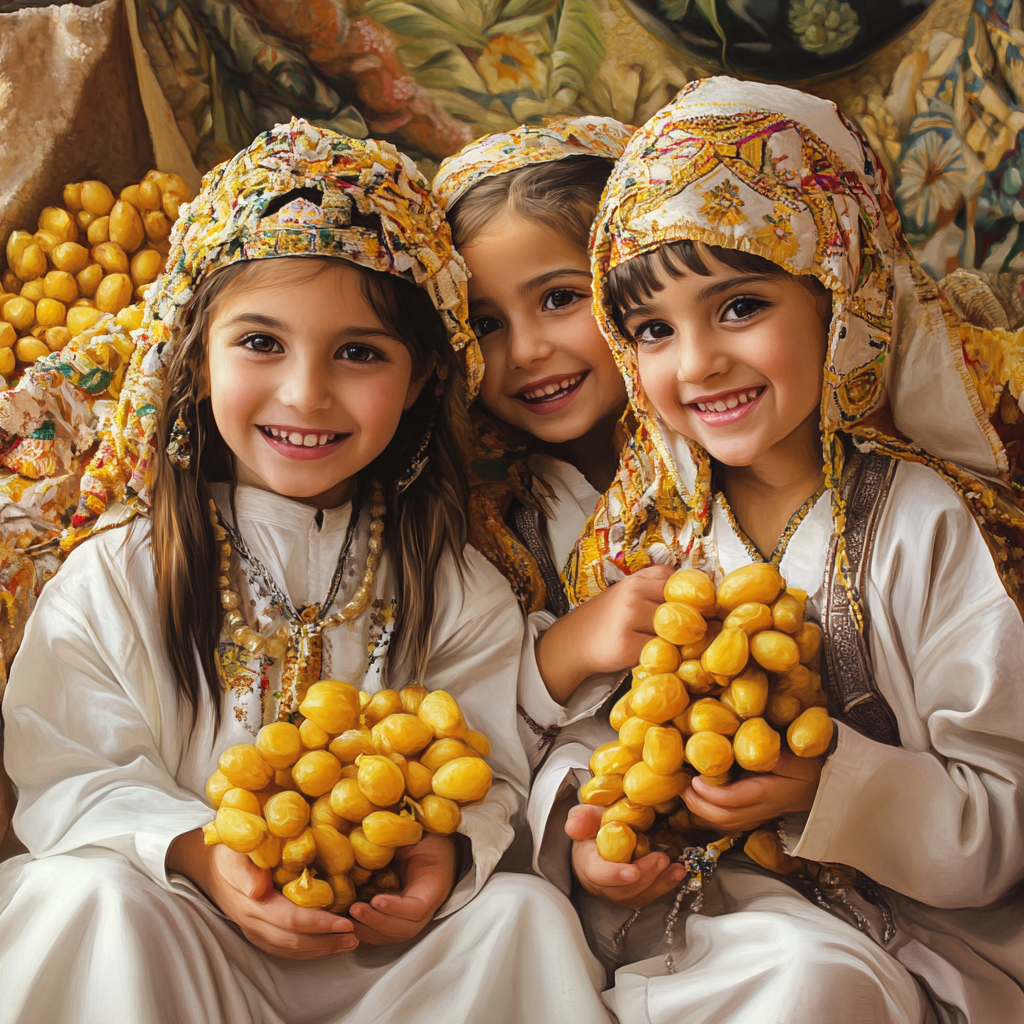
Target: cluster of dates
(323,803)
(94,255)
(727,674)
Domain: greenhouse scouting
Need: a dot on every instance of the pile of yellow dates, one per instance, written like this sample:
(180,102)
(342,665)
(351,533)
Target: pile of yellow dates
(92,256)
(324,802)
(727,674)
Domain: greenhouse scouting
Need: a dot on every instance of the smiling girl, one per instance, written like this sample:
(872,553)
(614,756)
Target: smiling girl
(289,423)
(521,204)
(803,399)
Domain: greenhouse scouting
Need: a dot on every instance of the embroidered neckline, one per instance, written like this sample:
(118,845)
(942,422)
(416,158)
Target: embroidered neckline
(787,534)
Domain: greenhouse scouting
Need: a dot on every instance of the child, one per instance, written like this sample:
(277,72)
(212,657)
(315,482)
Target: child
(765,309)
(302,404)
(520,204)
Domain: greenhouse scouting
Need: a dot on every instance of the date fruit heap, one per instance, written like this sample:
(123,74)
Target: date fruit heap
(94,255)
(325,802)
(724,678)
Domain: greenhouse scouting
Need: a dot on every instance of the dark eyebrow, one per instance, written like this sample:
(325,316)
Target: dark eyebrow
(717,287)
(634,311)
(354,331)
(541,279)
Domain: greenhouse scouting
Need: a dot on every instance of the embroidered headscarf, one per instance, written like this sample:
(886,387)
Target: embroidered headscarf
(498,470)
(783,175)
(356,199)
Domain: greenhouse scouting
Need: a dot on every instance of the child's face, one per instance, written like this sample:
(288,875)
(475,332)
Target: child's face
(733,361)
(306,385)
(548,370)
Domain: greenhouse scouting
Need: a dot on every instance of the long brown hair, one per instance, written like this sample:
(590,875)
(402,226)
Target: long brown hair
(424,522)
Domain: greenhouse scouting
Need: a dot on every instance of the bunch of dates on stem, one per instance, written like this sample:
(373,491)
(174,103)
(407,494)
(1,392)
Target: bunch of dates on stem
(729,680)
(324,802)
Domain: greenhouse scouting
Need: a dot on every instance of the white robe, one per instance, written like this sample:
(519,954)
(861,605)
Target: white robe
(938,820)
(570,500)
(93,928)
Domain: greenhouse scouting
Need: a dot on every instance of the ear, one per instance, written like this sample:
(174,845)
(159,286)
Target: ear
(417,383)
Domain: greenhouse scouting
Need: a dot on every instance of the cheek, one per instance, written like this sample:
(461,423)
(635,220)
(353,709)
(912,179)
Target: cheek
(377,406)
(658,378)
(494,363)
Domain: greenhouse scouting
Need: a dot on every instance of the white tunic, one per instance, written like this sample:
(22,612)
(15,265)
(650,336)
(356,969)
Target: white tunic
(938,820)
(92,926)
(571,501)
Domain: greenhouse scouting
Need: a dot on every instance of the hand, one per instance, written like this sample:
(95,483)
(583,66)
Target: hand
(626,885)
(246,894)
(756,798)
(606,634)
(428,872)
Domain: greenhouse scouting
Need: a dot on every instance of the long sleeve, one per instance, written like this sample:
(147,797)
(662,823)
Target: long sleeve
(940,818)
(555,793)
(477,639)
(540,713)
(91,742)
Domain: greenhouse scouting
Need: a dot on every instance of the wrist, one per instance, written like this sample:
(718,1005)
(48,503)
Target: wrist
(188,855)
(562,665)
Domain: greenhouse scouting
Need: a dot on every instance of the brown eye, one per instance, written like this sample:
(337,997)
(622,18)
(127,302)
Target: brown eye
(262,343)
(652,331)
(740,309)
(484,325)
(358,354)
(560,298)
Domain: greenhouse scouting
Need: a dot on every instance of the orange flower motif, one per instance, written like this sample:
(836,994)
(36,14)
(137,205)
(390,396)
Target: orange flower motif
(777,235)
(723,206)
(510,64)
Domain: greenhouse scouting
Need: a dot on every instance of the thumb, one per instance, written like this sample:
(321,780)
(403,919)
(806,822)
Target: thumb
(256,883)
(583,822)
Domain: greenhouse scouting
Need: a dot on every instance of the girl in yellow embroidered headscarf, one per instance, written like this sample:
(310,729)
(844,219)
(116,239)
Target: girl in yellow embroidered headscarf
(521,204)
(281,498)
(805,396)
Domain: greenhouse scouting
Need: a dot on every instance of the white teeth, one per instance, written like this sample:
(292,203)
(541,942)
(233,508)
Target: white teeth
(702,407)
(743,399)
(552,389)
(310,441)
(295,438)
(720,406)
(323,438)
(731,402)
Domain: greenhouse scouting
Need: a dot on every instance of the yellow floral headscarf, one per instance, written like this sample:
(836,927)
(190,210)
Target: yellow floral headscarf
(498,470)
(558,138)
(783,175)
(361,200)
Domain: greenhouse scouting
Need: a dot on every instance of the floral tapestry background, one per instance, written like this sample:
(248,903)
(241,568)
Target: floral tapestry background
(941,101)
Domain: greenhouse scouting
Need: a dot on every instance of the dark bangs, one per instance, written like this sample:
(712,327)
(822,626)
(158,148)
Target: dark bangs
(634,282)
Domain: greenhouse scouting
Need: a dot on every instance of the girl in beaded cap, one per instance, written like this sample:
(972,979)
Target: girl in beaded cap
(520,205)
(806,396)
(284,449)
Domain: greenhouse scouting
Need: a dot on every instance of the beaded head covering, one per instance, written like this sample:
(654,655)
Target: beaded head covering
(558,138)
(498,469)
(783,175)
(355,199)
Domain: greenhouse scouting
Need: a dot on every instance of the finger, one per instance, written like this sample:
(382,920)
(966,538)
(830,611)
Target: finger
(790,766)
(667,881)
(393,928)
(279,942)
(240,872)
(278,911)
(743,793)
(406,906)
(583,822)
(605,873)
(373,937)
(657,572)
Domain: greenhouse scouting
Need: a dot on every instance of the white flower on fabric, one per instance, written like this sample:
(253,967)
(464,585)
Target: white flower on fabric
(933,178)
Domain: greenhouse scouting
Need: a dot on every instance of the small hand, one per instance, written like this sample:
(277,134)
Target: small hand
(756,798)
(428,873)
(626,885)
(606,634)
(246,894)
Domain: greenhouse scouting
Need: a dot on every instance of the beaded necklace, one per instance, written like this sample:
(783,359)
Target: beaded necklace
(301,639)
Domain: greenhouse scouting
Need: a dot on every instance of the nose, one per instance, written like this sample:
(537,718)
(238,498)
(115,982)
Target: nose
(305,386)
(527,345)
(699,359)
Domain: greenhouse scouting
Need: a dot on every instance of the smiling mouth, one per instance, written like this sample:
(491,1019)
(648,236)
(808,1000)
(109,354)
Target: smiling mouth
(552,391)
(300,438)
(730,401)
